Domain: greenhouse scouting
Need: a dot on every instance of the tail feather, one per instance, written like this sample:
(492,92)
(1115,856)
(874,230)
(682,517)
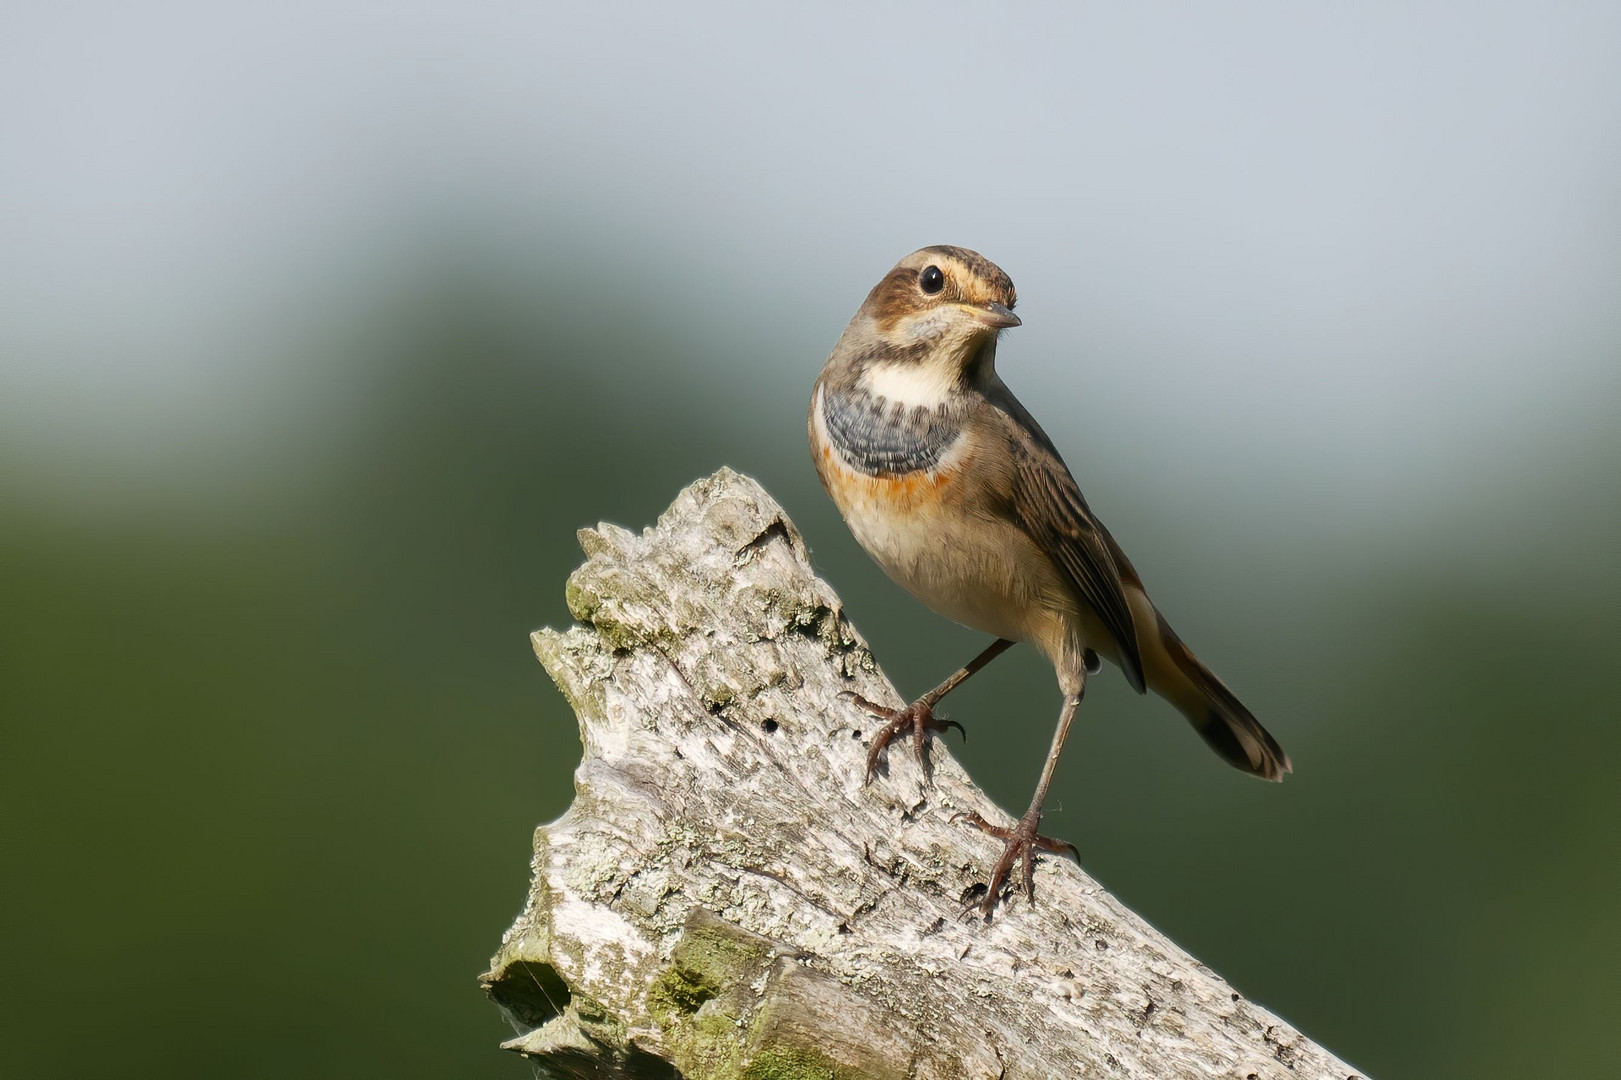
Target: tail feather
(1175,674)
(1243,743)
(1215,712)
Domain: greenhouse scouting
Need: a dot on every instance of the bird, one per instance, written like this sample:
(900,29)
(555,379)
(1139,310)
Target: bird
(952,487)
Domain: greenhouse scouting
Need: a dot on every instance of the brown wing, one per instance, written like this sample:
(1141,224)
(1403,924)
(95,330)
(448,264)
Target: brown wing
(1046,501)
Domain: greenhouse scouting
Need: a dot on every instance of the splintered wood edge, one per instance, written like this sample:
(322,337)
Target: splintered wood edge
(726,899)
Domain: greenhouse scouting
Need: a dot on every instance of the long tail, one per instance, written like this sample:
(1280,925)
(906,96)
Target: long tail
(1215,712)
(1175,674)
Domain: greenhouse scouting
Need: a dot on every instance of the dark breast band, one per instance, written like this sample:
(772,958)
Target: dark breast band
(881,439)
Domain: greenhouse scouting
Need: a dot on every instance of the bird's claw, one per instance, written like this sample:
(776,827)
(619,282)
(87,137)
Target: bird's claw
(1019,846)
(917,718)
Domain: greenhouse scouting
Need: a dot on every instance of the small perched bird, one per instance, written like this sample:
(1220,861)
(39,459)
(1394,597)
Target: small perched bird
(952,487)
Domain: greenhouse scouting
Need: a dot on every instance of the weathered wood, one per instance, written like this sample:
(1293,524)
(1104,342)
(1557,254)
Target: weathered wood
(724,899)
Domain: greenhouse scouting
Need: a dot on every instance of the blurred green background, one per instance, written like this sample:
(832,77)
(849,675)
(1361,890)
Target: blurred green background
(324,327)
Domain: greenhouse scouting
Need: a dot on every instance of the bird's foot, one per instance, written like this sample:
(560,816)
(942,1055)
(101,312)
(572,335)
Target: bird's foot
(1020,844)
(917,718)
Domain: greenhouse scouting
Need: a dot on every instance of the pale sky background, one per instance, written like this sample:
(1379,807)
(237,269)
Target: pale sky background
(1373,250)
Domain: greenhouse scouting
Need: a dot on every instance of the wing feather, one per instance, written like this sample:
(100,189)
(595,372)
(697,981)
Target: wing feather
(1047,502)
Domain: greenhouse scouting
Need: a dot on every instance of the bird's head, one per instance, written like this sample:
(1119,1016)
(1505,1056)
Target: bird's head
(940,306)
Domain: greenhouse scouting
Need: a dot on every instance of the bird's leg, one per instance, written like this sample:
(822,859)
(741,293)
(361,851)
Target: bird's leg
(918,717)
(1021,841)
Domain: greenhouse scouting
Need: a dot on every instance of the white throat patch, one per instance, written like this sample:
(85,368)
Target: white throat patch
(914,385)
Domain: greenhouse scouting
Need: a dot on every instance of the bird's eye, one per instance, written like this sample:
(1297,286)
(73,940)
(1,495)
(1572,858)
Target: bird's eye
(931,280)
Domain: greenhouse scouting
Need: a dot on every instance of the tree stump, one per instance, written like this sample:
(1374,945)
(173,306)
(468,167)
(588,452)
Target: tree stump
(726,899)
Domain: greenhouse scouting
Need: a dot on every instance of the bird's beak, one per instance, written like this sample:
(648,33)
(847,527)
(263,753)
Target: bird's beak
(996,316)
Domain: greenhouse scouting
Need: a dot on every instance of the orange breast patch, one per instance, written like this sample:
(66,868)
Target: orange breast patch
(900,494)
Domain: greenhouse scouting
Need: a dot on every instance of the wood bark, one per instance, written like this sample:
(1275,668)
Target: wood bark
(726,899)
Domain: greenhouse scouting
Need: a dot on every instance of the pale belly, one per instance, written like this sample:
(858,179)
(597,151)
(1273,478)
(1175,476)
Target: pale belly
(935,535)
(965,565)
